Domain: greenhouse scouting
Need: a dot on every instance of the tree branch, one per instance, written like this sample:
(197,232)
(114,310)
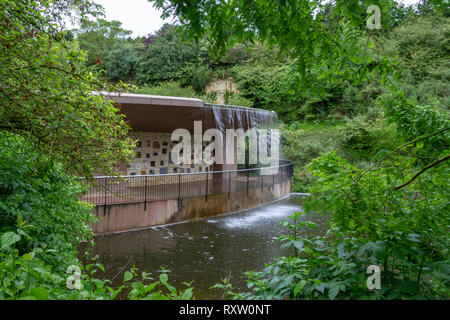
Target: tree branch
(422,171)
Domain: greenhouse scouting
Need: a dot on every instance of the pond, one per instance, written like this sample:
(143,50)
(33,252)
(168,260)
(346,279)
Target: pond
(204,251)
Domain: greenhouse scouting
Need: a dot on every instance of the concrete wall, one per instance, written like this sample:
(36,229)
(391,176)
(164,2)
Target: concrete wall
(130,216)
(153,156)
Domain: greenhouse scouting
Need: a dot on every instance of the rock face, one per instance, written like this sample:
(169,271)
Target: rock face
(221,87)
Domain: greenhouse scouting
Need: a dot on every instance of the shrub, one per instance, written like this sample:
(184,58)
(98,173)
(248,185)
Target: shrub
(35,190)
(367,136)
(42,222)
(374,221)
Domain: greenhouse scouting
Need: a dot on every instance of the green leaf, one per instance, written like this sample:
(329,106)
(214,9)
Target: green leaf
(40,293)
(299,286)
(298,244)
(100,266)
(187,294)
(335,287)
(319,286)
(8,239)
(19,221)
(413,237)
(28,256)
(127,276)
(164,280)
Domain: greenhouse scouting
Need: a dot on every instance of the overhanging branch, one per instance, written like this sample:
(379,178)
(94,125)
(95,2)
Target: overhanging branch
(422,171)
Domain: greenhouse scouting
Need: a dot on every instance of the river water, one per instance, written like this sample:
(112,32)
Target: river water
(204,251)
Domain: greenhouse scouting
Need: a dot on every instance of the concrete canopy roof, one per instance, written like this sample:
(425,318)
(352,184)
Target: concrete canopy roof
(165,114)
(146,99)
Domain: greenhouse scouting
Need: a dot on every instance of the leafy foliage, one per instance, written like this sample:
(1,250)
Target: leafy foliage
(373,222)
(367,136)
(173,89)
(46,91)
(42,222)
(27,277)
(39,199)
(416,120)
(306,60)
(291,26)
(169,58)
(96,38)
(120,61)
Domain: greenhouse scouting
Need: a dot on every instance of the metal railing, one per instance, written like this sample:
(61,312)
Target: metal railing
(146,188)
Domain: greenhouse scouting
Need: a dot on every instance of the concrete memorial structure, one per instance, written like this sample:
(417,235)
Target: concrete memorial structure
(161,188)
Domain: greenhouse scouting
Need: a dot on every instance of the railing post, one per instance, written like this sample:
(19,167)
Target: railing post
(207,181)
(229,185)
(262,181)
(145,193)
(179,192)
(179,186)
(104,194)
(248,177)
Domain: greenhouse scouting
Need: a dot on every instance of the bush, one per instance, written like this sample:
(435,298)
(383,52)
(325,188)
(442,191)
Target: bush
(402,230)
(42,222)
(120,61)
(197,77)
(304,142)
(235,99)
(301,180)
(367,136)
(169,58)
(34,190)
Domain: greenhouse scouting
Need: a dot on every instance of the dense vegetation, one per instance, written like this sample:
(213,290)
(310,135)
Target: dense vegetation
(365,119)
(51,128)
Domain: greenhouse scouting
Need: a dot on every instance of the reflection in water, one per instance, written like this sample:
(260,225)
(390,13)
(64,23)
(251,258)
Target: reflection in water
(204,251)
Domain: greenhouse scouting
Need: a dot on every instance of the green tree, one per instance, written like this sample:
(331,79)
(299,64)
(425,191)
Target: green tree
(52,125)
(119,62)
(35,191)
(420,49)
(391,213)
(47,93)
(170,58)
(97,38)
(292,26)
